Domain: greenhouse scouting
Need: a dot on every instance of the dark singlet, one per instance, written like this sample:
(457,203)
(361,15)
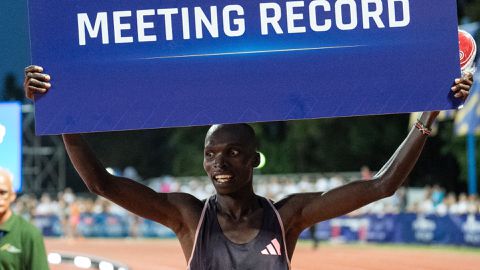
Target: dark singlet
(212,250)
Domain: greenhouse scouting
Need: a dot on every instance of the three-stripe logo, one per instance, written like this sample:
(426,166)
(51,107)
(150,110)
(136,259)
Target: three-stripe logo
(272,249)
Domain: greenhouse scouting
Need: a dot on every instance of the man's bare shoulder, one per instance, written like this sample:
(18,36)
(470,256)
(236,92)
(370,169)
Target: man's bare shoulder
(184,201)
(291,208)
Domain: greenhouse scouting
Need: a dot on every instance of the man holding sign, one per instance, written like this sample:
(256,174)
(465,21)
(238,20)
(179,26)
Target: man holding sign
(237,229)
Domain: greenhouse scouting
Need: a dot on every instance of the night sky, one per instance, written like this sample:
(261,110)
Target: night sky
(14,39)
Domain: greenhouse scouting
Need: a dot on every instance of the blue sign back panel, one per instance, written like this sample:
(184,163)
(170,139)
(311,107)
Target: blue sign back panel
(120,65)
(11,141)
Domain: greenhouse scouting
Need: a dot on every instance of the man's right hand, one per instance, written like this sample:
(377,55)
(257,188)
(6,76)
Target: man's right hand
(36,82)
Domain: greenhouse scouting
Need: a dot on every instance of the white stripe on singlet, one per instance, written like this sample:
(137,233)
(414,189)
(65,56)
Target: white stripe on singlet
(200,222)
(283,231)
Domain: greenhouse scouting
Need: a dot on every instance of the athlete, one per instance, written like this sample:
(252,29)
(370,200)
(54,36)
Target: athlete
(235,228)
(21,243)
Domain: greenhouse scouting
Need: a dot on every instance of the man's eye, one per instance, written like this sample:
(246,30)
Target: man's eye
(209,154)
(234,152)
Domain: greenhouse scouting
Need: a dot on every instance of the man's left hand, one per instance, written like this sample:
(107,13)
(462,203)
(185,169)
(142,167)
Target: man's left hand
(462,86)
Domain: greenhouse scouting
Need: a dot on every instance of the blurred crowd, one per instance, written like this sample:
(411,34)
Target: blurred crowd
(69,207)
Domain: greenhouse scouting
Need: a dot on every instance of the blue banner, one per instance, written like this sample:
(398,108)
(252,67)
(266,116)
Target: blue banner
(119,65)
(11,141)
(390,228)
(403,228)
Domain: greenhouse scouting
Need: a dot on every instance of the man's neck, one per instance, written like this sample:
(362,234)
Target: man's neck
(237,206)
(5,216)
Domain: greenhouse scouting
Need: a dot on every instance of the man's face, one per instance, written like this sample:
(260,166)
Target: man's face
(229,159)
(7,196)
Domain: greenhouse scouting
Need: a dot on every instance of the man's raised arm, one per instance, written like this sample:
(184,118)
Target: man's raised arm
(300,211)
(170,209)
(174,210)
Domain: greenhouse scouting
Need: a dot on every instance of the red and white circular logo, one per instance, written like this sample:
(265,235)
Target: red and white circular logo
(468,49)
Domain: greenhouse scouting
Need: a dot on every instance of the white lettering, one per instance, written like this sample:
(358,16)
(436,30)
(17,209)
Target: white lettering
(118,26)
(374,14)
(168,12)
(313,15)
(239,22)
(339,15)
(201,19)
(292,17)
(265,20)
(392,20)
(185,24)
(142,25)
(100,22)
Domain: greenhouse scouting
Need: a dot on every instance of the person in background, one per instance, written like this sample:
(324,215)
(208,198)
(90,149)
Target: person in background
(21,243)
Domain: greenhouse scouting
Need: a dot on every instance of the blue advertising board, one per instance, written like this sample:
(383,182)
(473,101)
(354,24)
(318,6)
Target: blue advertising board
(120,65)
(11,141)
(408,228)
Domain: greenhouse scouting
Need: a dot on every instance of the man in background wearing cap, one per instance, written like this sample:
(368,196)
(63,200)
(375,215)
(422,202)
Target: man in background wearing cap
(21,243)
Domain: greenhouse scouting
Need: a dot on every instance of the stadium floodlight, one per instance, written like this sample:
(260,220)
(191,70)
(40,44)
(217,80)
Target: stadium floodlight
(82,262)
(54,258)
(103,265)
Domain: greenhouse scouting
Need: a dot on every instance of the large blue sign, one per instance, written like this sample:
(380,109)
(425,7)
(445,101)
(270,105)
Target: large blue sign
(119,65)
(11,141)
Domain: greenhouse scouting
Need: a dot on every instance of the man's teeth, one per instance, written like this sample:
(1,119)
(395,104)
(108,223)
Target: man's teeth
(223,178)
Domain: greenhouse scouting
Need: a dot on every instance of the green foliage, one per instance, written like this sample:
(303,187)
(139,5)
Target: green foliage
(187,154)
(472,9)
(326,145)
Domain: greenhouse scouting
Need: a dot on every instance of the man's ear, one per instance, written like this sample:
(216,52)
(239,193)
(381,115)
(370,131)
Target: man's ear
(256,160)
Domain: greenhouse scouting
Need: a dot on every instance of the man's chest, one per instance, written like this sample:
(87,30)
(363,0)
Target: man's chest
(241,231)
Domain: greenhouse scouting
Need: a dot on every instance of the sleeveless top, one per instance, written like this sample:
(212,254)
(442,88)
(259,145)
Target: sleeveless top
(212,250)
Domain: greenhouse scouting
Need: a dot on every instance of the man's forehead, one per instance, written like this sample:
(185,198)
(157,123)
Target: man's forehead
(4,182)
(230,135)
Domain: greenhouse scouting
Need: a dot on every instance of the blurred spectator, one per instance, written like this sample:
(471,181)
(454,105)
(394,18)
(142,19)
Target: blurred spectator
(461,206)
(46,206)
(72,209)
(365,173)
(131,172)
(438,195)
(426,205)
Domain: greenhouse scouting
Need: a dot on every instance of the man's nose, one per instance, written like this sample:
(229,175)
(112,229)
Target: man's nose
(220,162)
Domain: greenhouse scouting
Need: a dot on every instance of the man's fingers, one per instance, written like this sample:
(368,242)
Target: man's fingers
(467,78)
(33,69)
(38,76)
(463,94)
(39,84)
(460,86)
(31,90)
(35,81)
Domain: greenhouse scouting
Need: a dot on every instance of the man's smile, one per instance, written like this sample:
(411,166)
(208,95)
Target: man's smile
(223,178)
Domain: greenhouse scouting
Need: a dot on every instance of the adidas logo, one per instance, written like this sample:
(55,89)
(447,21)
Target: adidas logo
(272,249)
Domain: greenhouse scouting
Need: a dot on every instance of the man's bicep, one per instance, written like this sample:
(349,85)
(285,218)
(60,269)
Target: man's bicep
(169,209)
(307,209)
